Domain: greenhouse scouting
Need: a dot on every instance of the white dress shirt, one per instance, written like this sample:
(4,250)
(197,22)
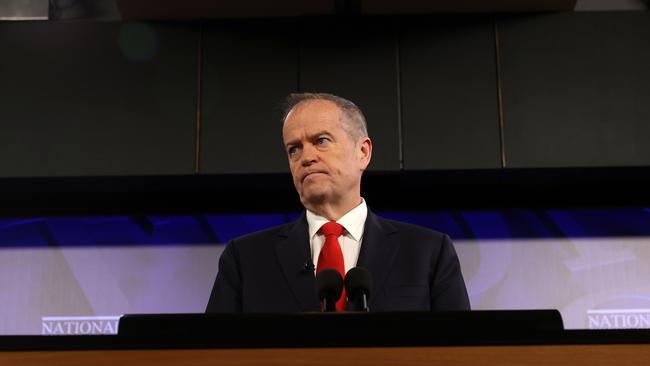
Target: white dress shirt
(350,241)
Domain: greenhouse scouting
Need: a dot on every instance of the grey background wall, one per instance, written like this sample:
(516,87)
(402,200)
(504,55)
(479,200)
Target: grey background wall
(439,92)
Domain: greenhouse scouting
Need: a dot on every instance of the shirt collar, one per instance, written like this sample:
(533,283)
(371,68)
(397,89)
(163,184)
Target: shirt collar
(352,221)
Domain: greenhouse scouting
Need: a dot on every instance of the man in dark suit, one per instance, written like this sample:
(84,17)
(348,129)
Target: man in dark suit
(327,144)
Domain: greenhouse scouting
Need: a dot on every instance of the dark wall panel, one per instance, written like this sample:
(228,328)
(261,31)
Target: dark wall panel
(357,60)
(449,93)
(87,98)
(249,69)
(576,89)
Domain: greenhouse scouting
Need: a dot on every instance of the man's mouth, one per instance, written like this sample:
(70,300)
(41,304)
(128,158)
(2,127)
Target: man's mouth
(311,173)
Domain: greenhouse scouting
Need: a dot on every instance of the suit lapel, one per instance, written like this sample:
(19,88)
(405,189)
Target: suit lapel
(378,251)
(293,251)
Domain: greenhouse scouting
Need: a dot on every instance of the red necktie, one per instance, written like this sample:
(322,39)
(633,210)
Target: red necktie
(331,255)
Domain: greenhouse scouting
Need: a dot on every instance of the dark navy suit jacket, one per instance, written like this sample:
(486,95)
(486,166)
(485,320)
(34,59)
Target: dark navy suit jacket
(413,269)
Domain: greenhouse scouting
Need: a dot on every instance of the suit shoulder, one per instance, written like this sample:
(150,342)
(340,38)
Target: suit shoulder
(273,231)
(262,240)
(406,228)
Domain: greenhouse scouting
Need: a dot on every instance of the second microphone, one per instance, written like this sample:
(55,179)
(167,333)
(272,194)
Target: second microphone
(358,286)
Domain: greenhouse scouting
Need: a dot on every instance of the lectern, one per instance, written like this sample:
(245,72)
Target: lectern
(360,329)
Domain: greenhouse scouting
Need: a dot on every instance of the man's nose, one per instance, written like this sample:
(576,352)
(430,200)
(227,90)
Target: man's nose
(309,155)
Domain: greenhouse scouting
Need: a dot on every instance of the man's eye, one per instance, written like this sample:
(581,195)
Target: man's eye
(322,140)
(292,150)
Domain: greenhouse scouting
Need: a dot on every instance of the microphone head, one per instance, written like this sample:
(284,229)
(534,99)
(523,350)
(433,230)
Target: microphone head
(330,284)
(358,282)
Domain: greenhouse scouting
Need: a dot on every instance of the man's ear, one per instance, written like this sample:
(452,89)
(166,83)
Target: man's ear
(364,152)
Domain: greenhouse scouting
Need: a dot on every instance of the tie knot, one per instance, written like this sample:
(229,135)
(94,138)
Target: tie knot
(332,228)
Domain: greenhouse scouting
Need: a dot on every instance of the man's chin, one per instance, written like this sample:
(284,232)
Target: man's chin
(313,198)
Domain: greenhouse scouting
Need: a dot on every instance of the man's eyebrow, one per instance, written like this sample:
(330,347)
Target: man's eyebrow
(309,137)
(320,133)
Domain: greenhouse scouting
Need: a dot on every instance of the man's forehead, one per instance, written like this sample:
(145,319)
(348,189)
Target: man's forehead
(310,118)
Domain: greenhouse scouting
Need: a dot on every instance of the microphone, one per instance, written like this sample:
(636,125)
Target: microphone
(308,267)
(330,287)
(358,284)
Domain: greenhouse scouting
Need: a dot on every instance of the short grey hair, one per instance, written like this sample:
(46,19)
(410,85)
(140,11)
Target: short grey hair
(352,119)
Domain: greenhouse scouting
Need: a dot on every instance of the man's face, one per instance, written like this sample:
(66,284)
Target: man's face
(326,163)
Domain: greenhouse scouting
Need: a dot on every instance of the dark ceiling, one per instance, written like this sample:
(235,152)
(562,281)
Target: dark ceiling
(187,9)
